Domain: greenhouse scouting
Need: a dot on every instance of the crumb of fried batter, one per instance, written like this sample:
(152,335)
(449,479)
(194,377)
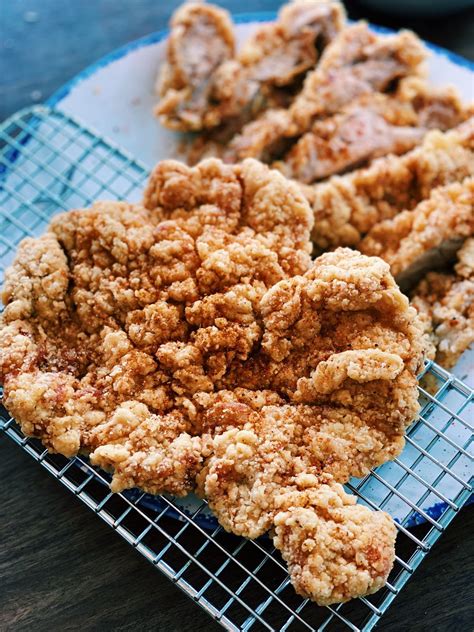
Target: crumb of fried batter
(425,237)
(445,303)
(347,207)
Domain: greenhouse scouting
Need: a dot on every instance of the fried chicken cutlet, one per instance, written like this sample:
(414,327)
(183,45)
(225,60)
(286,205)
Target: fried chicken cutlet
(190,343)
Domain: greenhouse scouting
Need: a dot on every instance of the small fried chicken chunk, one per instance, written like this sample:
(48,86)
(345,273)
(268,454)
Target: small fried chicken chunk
(201,39)
(427,236)
(445,303)
(357,62)
(120,313)
(334,548)
(349,206)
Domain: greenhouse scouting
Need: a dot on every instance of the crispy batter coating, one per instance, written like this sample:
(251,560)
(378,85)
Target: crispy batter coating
(425,237)
(445,303)
(120,313)
(347,207)
(190,343)
(334,548)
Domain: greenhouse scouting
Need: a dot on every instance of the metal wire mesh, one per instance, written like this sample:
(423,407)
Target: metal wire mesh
(49,162)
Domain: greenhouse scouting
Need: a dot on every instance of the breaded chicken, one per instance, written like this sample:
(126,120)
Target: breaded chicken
(445,303)
(204,83)
(191,344)
(348,207)
(426,237)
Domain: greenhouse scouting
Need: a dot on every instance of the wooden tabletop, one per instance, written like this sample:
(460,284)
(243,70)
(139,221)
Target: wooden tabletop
(61,568)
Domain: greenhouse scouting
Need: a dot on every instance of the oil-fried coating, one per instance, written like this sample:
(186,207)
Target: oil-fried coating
(445,303)
(120,313)
(425,237)
(347,207)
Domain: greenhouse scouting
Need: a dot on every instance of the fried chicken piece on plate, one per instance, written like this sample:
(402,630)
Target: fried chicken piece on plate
(372,126)
(355,63)
(203,83)
(201,39)
(347,207)
(120,313)
(279,53)
(329,396)
(424,238)
(445,303)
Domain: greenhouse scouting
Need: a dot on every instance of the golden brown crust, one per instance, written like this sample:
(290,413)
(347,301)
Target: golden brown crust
(347,207)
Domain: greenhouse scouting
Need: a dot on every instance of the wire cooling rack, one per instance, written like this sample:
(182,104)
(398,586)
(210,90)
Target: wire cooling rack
(49,162)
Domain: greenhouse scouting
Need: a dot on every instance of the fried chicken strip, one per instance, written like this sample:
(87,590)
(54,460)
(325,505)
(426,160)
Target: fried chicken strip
(347,207)
(427,236)
(445,303)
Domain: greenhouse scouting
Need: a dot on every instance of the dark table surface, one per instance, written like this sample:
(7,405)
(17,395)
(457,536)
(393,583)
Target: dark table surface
(61,568)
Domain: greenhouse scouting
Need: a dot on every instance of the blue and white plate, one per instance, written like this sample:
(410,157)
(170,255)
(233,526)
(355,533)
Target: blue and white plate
(116,97)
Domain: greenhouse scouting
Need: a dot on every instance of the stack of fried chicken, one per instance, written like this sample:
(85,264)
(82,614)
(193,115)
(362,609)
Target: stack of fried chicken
(385,159)
(193,343)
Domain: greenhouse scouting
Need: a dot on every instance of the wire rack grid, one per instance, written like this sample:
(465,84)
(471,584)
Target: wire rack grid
(50,162)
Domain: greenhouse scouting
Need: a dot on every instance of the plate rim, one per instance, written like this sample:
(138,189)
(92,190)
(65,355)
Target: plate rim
(238,18)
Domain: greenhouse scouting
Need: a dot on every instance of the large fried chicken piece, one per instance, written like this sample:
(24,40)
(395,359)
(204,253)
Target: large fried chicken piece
(349,206)
(427,236)
(203,84)
(190,342)
(120,313)
(445,303)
